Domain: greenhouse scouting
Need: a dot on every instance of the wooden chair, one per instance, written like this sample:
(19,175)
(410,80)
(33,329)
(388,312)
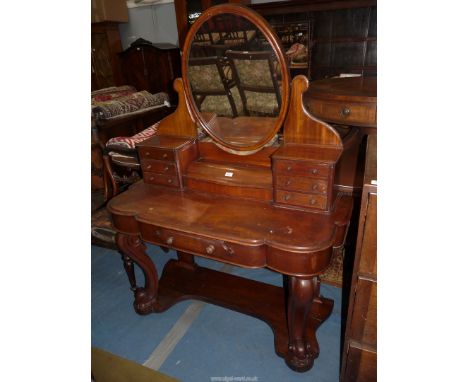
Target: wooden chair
(256,78)
(212,88)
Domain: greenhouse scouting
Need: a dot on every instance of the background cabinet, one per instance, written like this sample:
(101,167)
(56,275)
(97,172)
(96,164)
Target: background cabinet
(151,67)
(359,361)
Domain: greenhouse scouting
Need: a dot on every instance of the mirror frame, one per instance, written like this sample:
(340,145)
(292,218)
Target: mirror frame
(263,26)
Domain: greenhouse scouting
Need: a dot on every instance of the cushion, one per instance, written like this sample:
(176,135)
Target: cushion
(130,142)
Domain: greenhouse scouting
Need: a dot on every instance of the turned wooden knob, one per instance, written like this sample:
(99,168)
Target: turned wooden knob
(166,168)
(169,181)
(288,182)
(345,111)
(287,197)
(315,187)
(210,249)
(165,155)
(152,178)
(147,153)
(169,240)
(148,167)
(312,201)
(314,171)
(289,168)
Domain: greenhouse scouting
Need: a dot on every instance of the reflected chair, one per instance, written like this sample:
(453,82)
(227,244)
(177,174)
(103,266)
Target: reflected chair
(256,78)
(212,85)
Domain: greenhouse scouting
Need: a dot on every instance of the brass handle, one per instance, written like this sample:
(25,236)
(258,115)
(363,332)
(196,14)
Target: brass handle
(228,249)
(210,249)
(345,111)
(169,240)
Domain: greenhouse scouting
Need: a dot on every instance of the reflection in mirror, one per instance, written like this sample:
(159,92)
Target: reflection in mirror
(235,80)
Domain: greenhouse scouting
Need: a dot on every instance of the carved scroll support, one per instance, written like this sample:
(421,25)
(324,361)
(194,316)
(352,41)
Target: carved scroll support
(302,350)
(133,247)
(130,270)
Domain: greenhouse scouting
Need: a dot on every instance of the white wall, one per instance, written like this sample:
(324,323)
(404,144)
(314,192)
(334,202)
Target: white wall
(155,23)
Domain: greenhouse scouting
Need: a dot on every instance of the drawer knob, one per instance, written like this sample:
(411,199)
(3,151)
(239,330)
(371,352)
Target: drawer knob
(287,197)
(312,201)
(166,168)
(315,186)
(289,168)
(228,249)
(152,178)
(169,181)
(169,240)
(210,249)
(147,153)
(148,167)
(165,155)
(314,171)
(345,111)
(288,182)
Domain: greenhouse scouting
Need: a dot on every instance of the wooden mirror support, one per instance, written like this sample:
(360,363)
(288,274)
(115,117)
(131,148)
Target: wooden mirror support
(276,208)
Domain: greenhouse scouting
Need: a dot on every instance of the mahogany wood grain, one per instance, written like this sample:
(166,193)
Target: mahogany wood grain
(301,127)
(180,123)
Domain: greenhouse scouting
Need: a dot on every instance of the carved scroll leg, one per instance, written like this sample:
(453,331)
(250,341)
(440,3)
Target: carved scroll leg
(132,247)
(301,353)
(130,270)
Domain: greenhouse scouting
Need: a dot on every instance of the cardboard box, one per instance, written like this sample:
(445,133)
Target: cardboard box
(109,10)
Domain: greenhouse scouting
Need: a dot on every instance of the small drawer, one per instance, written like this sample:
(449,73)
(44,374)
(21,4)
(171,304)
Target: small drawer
(301,184)
(150,165)
(302,200)
(251,256)
(288,167)
(341,112)
(156,153)
(165,180)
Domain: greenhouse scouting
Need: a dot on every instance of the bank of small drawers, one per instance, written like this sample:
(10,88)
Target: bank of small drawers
(159,166)
(302,184)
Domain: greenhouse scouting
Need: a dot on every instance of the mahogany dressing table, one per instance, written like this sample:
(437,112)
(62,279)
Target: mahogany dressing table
(240,195)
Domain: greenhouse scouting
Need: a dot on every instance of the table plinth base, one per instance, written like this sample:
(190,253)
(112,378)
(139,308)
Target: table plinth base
(181,281)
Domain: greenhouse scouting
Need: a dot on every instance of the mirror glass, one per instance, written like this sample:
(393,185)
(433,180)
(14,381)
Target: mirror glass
(236,80)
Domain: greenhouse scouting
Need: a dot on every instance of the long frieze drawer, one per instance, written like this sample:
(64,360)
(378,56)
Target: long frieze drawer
(301,168)
(156,153)
(303,200)
(301,184)
(353,113)
(165,180)
(250,256)
(158,166)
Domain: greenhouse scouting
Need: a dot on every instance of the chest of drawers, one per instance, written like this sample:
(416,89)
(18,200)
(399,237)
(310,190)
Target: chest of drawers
(301,179)
(164,159)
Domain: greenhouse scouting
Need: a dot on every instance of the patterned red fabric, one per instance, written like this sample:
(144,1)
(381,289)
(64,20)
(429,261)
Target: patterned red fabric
(111,93)
(130,142)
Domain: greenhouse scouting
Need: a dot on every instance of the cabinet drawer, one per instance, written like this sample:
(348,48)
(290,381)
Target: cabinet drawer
(303,200)
(156,153)
(250,256)
(150,165)
(287,167)
(293,183)
(340,112)
(165,180)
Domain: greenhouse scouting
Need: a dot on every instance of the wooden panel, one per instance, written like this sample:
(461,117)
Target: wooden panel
(361,365)
(364,318)
(368,260)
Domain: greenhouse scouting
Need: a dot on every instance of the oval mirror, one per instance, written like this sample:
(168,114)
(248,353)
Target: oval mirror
(235,78)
